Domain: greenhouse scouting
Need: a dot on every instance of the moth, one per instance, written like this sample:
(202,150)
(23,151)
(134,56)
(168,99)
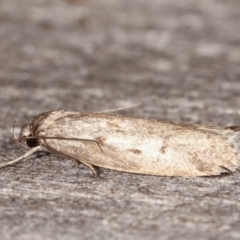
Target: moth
(133,145)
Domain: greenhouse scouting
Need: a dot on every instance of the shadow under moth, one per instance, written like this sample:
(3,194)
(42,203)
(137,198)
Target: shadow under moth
(133,145)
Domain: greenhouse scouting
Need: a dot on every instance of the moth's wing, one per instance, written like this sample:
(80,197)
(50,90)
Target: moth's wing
(161,148)
(59,124)
(73,124)
(212,149)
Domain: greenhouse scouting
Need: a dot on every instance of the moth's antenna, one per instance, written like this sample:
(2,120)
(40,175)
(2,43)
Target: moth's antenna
(120,109)
(72,139)
(31,151)
(14,136)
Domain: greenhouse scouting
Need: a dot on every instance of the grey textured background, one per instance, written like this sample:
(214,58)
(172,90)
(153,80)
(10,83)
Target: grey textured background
(180,58)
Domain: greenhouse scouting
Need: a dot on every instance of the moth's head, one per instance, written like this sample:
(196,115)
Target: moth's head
(26,137)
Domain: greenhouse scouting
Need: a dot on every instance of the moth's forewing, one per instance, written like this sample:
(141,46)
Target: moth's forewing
(139,145)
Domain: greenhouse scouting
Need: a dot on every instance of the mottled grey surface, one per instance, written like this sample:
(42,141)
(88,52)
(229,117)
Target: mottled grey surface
(180,58)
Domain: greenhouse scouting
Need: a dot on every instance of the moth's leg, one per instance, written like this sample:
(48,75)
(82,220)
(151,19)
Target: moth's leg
(93,169)
(76,161)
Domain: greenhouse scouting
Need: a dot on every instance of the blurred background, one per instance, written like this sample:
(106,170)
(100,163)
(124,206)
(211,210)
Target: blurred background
(181,59)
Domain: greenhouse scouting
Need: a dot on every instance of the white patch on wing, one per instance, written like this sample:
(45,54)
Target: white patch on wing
(148,147)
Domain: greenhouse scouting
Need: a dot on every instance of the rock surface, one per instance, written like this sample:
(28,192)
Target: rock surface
(180,58)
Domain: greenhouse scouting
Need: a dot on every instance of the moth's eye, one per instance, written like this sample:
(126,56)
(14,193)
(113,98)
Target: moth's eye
(32,142)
